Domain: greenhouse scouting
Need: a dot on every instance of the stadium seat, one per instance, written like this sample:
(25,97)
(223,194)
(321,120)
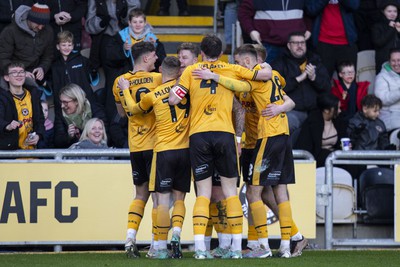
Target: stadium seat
(377,195)
(394,139)
(366,68)
(344,198)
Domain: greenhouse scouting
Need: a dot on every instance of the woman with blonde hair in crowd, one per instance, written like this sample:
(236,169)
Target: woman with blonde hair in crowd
(75,112)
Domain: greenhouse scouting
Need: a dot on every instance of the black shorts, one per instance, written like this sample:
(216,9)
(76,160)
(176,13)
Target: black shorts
(141,166)
(171,170)
(272,162)
(245,160)
(211,151)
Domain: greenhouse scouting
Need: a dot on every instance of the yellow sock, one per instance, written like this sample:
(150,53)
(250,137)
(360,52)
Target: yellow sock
(178,214)
(234,214)
(200,215)
(295,230)
(214,217)
(163,222)
(285,220)
(260,218)
(252,233)
(154,230)
(135,214)
(209,227)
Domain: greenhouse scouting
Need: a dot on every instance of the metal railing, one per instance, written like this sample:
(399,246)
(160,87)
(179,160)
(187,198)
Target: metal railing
(62,154)
(357,158)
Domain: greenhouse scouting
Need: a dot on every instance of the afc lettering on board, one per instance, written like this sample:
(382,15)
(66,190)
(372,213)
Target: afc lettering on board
(13,204)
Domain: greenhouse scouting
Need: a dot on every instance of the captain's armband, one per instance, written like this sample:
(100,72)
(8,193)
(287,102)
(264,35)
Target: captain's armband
(178,92)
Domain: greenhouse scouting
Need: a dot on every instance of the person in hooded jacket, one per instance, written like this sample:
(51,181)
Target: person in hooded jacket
(29,40)
(7,9)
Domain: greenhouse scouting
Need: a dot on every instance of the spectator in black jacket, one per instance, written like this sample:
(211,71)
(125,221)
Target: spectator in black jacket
(306,78)
(386,33)
(71,67)
(66,15)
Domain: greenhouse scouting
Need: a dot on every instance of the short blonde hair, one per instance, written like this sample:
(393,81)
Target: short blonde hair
(88,126)
(76,93)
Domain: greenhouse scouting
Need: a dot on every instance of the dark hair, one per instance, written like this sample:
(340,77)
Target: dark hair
(193,48)
(136,12)
(343,64)
(302,34)
(15,64)
(171,66)
(211,46)
(246,49)
(141,48)
(327,101)
(370,101)
(394,50)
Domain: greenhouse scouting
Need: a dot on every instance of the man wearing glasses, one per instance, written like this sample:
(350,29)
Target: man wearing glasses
(306,78)
(21,115)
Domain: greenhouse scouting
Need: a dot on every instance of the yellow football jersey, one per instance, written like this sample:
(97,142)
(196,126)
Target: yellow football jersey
(264,93)
(25,117)
(251,120)
(210,102)
(141,128)
(172,122)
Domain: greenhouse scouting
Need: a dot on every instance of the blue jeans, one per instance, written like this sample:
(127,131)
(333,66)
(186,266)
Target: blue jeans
(230,17)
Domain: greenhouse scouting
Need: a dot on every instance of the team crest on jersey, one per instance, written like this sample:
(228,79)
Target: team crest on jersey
(271,217)
(180,128)
(209,110)
(25,111)
(141,130)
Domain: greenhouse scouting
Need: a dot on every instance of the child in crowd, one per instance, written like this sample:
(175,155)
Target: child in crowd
(139,31)
(48,138)
(349,92)
(366,130)
(70,67)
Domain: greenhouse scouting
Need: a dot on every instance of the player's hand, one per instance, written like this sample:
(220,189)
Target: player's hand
(123,83)
(255,36)
(204,74)
(127,45)
(39,73)
(271,110)
(13,125)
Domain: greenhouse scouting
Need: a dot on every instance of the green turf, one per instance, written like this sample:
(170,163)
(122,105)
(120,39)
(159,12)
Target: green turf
(363,258)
